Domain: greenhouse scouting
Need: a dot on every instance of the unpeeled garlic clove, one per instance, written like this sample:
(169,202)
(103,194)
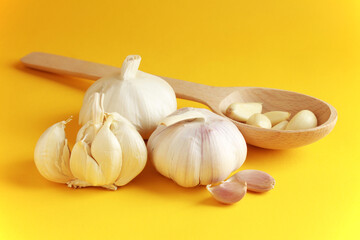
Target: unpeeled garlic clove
(304,119)
(228,192)
(277,116)
(259,120)
(281,125)
(257,181)
(52,154)
(243,111)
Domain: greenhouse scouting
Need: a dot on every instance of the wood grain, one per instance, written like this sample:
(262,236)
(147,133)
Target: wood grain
(218,99)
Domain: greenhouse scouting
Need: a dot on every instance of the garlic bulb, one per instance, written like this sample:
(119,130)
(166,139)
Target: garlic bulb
(52,154)
(195,146)
(109,152)
(142,98)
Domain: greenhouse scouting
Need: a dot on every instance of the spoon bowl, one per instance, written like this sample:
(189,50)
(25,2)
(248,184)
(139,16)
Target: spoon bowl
(217,99)
(281,100)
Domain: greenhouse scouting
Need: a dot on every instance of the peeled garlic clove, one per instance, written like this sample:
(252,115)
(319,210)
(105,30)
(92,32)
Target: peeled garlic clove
(277,116)
(304,119)
(281,125)
(243,111)
(257,181)
(259,120)
(142,98)
(52,154)
(228,192)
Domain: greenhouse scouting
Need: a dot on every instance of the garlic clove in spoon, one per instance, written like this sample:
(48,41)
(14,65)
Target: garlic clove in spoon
(277,116)
(228,192)
(243,111)
(281,125)
(259,120)
(304,119)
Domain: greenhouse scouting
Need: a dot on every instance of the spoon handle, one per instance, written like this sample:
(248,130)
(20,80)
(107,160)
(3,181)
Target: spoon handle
(90,70)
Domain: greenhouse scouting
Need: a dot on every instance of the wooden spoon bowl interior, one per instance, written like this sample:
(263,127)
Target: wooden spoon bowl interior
(281,100)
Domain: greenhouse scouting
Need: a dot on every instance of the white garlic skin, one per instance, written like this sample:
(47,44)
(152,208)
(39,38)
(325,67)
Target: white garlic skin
(142,98)
(197,151)
(52,154)
(304,119)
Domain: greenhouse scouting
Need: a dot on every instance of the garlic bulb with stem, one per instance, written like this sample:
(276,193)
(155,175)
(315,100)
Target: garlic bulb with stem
(52,154)
(142,98)
(109,152)
(196,146)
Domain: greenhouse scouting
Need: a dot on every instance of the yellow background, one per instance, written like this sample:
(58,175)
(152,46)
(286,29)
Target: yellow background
(309,46)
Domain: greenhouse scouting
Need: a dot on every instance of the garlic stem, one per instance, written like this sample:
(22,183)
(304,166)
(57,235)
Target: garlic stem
(130,67)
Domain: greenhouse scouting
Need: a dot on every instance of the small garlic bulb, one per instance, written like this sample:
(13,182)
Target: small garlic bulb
(109,152)
(52,154)
(195,146)
(142,98)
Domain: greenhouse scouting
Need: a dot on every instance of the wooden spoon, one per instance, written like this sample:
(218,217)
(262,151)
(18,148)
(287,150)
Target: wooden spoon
(218,99)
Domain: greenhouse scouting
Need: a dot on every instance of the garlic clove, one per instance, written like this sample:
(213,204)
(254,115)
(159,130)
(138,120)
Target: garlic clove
(134,152)
(259,120)
(107,152)
(277,116)
(281,125)
(304,119)
(52,153)
(257,181)
(84,167)
(228,192)
(243,111)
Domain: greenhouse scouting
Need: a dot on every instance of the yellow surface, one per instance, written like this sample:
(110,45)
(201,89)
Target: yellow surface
(312,47)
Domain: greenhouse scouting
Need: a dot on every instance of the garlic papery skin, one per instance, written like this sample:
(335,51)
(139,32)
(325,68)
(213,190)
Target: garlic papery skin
(259,120)
(304,119)
(229,191)
(276,117)
(200,147)
(109,151)
(280,126)
(52,154)
(142,98)
(243,111)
